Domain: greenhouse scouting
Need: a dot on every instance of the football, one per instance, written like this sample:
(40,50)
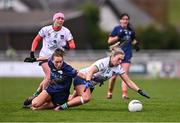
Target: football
(135,105)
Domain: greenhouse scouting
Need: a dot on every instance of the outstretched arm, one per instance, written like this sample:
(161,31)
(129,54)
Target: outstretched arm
(129,82)
(90,73)
(81,75)
(42,59)
(31,60)
(132,85)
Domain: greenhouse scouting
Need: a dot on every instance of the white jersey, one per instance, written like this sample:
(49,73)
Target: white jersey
(53,39)
(104,70)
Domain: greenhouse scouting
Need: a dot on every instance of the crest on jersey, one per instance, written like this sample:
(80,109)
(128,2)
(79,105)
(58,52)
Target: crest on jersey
(62,36)
(60,72)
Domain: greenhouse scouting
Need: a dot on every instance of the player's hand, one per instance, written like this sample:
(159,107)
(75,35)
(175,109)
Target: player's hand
(29,59)
(137,47)
(142,93)
(88,85)
(32,54)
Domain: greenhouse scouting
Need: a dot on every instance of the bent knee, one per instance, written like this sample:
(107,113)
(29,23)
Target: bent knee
(86,99)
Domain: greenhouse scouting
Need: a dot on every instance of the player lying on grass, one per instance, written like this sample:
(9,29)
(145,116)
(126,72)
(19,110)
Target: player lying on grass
(98,72)
(57,92)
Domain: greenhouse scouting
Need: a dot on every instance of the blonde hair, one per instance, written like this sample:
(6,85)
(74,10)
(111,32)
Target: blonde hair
(114,46)
(116,50)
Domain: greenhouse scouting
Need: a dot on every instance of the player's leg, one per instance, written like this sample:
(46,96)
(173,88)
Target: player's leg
(46,79)
(73,95)
(47,105)
(40,100)
(126,67)
(46,70)
(111,86)
(81,96)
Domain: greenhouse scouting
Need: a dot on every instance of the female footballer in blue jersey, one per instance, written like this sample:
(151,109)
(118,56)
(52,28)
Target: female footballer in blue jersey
(124,34)
(61,74)
(98,72)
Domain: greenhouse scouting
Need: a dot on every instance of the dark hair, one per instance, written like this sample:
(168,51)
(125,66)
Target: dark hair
(129,25)
(58,52)
(124,14)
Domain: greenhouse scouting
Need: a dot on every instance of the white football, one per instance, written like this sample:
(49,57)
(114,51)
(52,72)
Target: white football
(135,105)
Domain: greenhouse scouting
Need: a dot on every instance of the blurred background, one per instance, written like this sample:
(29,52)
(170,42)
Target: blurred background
(156,23)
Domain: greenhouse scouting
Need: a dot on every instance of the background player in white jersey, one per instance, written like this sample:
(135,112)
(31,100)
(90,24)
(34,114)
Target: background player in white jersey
(53,36)
(98,72)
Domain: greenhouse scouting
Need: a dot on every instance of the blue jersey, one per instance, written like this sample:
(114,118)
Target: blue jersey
(127,35)
(61,80)
(62,77)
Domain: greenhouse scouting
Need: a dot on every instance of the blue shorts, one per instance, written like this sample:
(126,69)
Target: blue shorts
(58,95)
(127,58)
(80,81)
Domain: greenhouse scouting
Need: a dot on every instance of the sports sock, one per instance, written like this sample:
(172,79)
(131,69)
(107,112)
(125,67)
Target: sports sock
(64,106)
(36,93)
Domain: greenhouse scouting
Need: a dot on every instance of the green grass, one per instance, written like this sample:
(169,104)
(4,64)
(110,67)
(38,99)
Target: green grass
(174,9)
(164,105)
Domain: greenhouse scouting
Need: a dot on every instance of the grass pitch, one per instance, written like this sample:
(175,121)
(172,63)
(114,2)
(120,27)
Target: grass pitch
(164,105)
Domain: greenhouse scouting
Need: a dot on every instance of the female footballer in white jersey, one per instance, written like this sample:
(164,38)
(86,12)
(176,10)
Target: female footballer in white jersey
(98,72)
(53,36)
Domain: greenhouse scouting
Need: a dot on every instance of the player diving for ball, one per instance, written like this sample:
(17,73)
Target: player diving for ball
(100,71)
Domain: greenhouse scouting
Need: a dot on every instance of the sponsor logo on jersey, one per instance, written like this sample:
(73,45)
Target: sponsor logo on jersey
(62,36)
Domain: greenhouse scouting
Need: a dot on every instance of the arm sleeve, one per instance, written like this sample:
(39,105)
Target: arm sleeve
(71,44)
(114,32)
(35,42)
(70,71)
(120,70)
(100,65)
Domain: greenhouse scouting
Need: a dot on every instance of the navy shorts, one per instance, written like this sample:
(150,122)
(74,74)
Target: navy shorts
(58,95)
(127,59)
(80,81)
